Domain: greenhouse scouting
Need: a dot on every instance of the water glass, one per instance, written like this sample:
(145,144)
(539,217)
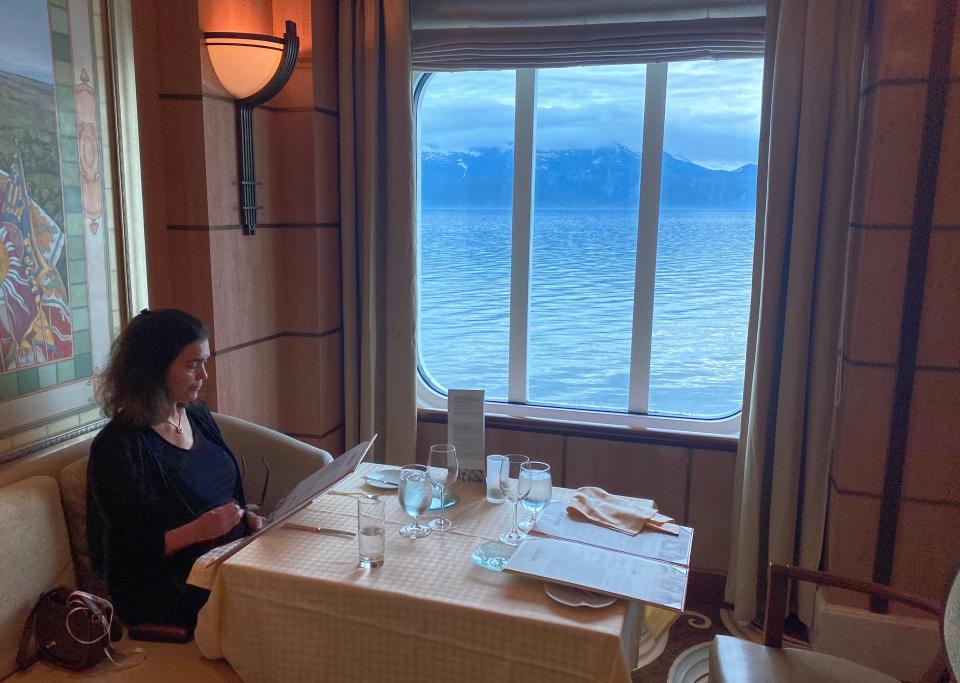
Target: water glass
(494,494)
(371,526)
(414,496)
(509,478)
(535,487)
(444,468)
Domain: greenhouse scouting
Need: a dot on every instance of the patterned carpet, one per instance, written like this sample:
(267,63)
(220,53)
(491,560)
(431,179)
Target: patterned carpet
(697,626)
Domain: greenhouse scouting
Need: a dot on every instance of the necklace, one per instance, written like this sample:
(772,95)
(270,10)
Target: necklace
(179,422)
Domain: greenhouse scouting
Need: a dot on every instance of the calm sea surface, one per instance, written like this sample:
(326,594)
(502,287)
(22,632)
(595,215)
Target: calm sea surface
(581,306)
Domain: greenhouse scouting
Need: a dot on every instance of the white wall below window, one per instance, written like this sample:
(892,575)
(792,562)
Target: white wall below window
(899,646)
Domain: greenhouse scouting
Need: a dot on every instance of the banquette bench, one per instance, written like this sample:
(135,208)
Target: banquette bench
(43,544)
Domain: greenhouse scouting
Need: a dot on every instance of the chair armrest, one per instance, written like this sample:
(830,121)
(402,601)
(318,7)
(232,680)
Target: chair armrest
(271,463)
(778,577)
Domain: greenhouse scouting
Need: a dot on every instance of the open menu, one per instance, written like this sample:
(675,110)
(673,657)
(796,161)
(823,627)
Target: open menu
(301,496)
(601,570)
(650,567)
(555,522)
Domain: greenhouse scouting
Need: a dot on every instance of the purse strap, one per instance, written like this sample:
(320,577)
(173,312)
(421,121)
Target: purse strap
(24,660)
(103,611)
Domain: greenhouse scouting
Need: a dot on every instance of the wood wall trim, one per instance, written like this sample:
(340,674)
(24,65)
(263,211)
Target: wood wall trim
(299,110)
(707,442)
(268,226)
(927,169)
(901,227)
(278,335)
(904,499)
(902,81)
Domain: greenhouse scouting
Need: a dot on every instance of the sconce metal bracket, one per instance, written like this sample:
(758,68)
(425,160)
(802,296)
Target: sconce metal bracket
(247,180)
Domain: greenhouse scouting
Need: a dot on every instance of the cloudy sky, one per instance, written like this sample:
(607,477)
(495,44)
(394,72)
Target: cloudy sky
(712,115)
(25,39)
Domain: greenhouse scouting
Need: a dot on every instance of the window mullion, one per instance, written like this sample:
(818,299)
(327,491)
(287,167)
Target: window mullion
(524,150)
(647,226)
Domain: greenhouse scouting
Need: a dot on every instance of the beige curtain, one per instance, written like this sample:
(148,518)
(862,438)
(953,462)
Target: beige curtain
(377,226)
(455,35)
(815,51)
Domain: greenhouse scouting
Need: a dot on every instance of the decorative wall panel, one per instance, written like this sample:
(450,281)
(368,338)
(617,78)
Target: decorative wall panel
(59,304)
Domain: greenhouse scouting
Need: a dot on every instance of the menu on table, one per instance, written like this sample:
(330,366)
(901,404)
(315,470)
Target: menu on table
(555,522)
(650,567)
(301,496)
(598,569)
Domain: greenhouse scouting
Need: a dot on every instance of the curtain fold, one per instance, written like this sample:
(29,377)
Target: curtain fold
(377,227)
(453,35)
(809,123)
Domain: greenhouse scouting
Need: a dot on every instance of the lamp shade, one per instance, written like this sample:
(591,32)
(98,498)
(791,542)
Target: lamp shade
(244,62)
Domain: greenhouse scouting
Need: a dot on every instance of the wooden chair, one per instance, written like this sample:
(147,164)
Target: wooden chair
(742,661)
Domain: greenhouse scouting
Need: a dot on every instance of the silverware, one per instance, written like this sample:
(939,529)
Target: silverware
(319,530)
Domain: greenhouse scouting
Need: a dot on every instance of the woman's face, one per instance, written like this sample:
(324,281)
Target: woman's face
(186,373)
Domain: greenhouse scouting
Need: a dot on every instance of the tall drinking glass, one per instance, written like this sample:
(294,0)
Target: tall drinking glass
(414,496)
(444,468)
(535,487)
(509,479)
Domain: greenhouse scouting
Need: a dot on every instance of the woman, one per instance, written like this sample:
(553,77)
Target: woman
(163,488)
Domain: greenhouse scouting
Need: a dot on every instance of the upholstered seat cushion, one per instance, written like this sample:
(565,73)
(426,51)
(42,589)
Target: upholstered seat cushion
(35,556)
(734,660)
(165,662)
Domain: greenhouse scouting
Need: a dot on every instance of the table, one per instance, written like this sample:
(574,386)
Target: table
(293,606)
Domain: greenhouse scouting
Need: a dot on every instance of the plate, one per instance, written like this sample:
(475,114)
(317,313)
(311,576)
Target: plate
(574,597)
(492,555)
(384,479)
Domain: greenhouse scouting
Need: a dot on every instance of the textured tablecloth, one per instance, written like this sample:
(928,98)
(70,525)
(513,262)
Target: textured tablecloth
(293,606)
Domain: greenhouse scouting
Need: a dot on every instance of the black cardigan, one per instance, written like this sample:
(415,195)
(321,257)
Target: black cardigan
(131,504)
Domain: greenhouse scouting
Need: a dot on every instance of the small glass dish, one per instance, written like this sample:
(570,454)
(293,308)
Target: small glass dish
(492,555)
(449,499)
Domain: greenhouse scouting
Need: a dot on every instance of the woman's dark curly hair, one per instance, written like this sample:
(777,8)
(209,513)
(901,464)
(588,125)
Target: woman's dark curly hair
(133,388)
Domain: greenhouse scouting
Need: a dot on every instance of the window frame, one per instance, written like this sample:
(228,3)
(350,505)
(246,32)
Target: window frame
(517,404)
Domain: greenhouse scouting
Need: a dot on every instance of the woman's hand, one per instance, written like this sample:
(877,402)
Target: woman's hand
(255,521)
(209,525)
(218,521)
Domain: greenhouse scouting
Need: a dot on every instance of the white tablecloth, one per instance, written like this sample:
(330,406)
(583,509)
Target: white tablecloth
(293,606)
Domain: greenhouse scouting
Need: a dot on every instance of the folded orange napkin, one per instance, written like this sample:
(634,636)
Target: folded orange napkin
(629,515)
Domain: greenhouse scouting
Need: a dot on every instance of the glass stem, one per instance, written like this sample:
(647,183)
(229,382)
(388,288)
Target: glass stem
(516,529)
(441,506)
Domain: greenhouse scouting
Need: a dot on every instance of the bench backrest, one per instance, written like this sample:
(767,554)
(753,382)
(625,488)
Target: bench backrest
(34,556)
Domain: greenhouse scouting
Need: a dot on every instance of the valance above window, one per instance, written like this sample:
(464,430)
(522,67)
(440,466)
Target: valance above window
(458,35)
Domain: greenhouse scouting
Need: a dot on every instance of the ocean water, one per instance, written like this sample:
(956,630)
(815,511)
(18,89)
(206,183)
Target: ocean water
(581,306)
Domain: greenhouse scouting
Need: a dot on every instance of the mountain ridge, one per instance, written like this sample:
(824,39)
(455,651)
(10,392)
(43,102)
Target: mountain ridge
(604,177)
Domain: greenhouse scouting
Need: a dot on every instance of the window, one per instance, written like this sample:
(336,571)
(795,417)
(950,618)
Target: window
(586,237)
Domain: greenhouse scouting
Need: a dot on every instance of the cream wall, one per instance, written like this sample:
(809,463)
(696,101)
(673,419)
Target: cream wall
(927,545)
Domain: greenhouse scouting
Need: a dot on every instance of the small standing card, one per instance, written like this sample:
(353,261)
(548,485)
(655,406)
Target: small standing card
(465,426)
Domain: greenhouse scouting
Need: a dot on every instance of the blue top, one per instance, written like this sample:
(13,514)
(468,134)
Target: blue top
(139,487)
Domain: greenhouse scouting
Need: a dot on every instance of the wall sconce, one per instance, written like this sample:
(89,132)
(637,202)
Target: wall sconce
(253,68)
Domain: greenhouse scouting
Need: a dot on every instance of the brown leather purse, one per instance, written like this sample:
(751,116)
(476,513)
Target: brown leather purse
(70,628)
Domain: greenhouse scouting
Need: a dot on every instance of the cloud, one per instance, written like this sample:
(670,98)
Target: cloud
(25,39)
(712,109)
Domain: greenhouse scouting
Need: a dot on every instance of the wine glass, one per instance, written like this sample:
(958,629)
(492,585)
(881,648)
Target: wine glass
(535,487)
(509,479)
(444,468)
(414,496)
